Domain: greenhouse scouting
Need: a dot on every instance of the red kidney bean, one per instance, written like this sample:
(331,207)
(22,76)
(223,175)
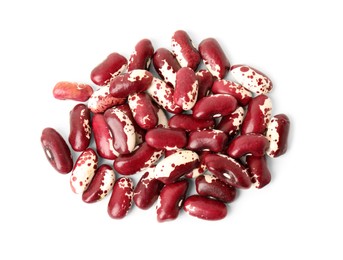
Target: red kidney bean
(143,157)
(56,150)
(176,165)
(202,168)
(186,88)
(101,100)
(103,138)
(83,171)
(252,79)
(147,189)
(166,138)
(170,200)
(72,91)
(143,110)
(121,198)
(163,95)
(228,170)
(210,185)
(189,123)
(122,129)
(183,49)
(258,170)
(277,134)
(205,82)
(80,127)
(213,140)
(258,115)
(214,106)
(101,184)
(112,66)
(134,81)
(223,86)
(214,57)
(141,56)
(254,144)
(231,124)
(165,65)
(205,208)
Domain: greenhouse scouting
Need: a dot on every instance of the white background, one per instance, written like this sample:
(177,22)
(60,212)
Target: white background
(297,43)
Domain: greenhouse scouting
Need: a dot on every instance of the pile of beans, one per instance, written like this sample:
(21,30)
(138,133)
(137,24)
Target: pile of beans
(169,123)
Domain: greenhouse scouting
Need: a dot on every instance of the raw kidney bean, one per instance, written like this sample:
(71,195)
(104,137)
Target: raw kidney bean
(165,65)
(228,170)
(112,66)
(214,106)
(223,86)
(210,185)
(121,198)
(183,49)
(189,123)
(170,200)
(103,138)
(205,82)
(205,208)
(143,110)
(147,189)
(80,127)
(231,124)
(122,129)
(163,95)
(176,165)
(101,184)
(141,56)
(56,150)
(212,140)
(83,171)
(72,91)
(277,134)
(251,79)
(258,115)
(258,170)
(166,138)
(202,168)
(101,100)
(254,144)
(134,81)
(214,57)
(186,88)
(143,157)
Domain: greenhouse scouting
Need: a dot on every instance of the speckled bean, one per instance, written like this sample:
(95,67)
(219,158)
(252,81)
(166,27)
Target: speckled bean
(186,88)
(141,56)
(258,170)
(277,134)
(72,91)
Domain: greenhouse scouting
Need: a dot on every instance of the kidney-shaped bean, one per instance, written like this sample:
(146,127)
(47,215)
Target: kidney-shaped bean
(277,134)
(223,86)
(214,106)
(56,150)
(112,66)
(231,124)
(258,170)
(166,138)
(205,82)
(213,140)
(189,123)
(72,91)
(80,127)
(186,88)
(141,56)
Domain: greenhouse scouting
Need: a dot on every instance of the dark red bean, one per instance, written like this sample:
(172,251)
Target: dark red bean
(205,208)
(147,189)
(254,144)
(143,157)
(56,150)
(171,200)
(80,127)
(142,55)
(258,115)
(166,138)
(212,140)
(210,185)
(214,106)
(205,82)
(101,184)
(189,123)
(165,65)
(258,170)
(186,88)
(231,124)
(134,81)
(112,66)
(214,57)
